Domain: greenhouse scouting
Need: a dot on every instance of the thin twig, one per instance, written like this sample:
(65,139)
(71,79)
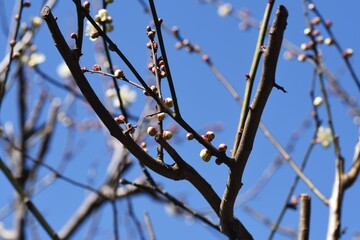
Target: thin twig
(164,56)
(149,226)
(26,200)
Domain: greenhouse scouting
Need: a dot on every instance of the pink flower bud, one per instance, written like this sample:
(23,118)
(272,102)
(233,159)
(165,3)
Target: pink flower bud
(222,147)
(209,136)
(328,23)
(120,119)
(151,131)
(96,67)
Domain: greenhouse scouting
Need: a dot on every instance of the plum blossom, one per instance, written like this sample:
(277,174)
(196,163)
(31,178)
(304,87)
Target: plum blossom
(33,59)
(324,136)
(63,70)
(91,31)
(224,9)
(128,96)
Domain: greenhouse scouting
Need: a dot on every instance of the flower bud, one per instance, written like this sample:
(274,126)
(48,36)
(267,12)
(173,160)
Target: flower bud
(96,67)
(169,102)
(222,147)
(209,136)
(167,135)
(190,136)
(120,119)
(205,154)
(161,116)
(119,73)
(317,101)
(348,53)
(151,131)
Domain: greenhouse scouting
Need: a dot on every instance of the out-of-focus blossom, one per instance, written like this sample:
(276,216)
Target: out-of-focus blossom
(288,55)
(317,101)
(102,15)
(324,136)
(128,96)
(36,21)
(33,59)
(63,70)
(224,9)
(91,31)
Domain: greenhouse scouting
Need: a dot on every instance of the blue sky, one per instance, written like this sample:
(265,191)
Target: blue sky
(204,101)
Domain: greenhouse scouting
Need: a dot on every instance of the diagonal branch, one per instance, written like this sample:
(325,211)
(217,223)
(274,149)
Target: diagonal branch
(350,177)
(104,115)
(25,199)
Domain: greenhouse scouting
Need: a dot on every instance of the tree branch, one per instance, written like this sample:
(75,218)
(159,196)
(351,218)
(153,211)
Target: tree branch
(266,84)
(84,86)
(304,219)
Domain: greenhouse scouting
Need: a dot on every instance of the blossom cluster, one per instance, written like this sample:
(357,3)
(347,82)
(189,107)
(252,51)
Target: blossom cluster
(102,18)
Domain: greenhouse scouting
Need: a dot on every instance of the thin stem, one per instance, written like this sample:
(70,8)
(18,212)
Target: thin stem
(276,225)
(134,218)
(163,53)
(6,73)
(338,47)
(26,200)
(149,226)
(111,69)
(299,172)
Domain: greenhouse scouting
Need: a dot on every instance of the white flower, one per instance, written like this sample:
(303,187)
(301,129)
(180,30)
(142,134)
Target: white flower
(102,15)
(63,70)
(324,136)
(317,101)
(224,9)
(128,96)
(91,31)
(36,21)
(33,59)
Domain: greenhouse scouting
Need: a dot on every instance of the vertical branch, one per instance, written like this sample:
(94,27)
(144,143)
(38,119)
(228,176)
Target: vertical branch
(251,77)
(111,69)
(149,226)
(304,219)
(157,23)
(4,75)
(337,195)
(234,183)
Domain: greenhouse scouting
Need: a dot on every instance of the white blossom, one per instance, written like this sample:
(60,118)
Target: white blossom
(90,30)
(33,59)
(63,70)
(324,136)
(128,96)
(224,9)
(317,101)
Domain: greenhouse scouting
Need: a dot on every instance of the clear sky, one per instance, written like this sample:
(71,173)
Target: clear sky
(203,102)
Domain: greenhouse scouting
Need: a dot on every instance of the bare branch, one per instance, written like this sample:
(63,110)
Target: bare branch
(98,107)
(304,219)
(241,156)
